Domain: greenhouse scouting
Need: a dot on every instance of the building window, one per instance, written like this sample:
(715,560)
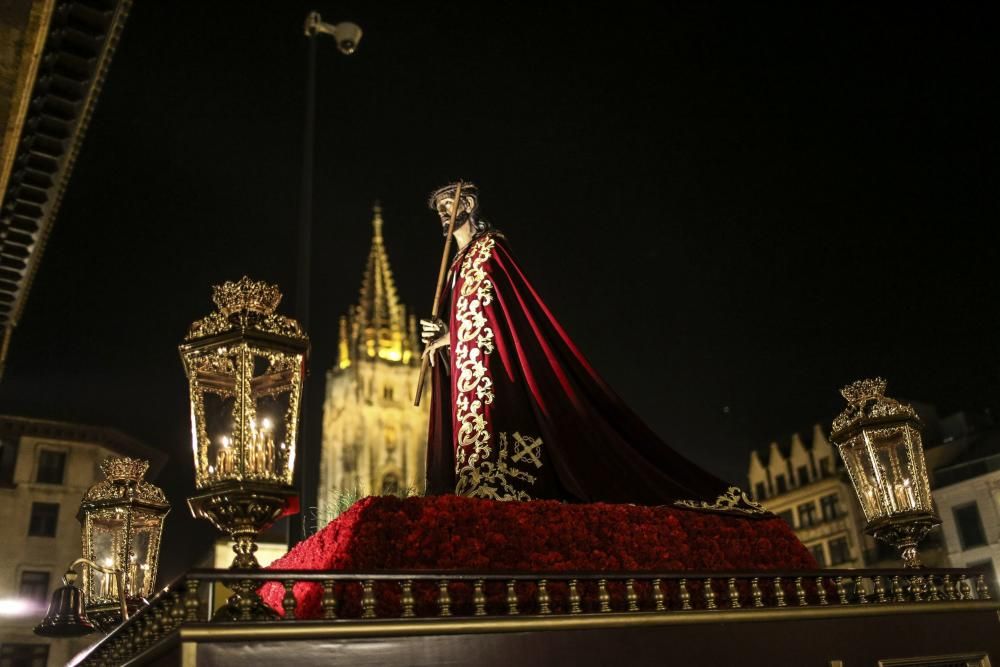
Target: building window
(43,519)
(51,466)
(803,475)
(840,551)
(830,506)
(818,554)
(970,526)
(35,585)
(807,514)
(760,491)
(8,458)
(387,393)
(787,517)
(824,467)
(24,655)
(781,483)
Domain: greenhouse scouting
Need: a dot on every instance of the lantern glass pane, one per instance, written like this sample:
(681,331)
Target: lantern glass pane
(141,573)
(107,535)
(222,462)
(862,472)
(918,466)
(245,408)
(147,527)
(214,401)
(894,469)
(270,451)
(107,544)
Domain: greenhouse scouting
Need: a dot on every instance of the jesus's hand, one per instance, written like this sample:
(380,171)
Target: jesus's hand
(434,334)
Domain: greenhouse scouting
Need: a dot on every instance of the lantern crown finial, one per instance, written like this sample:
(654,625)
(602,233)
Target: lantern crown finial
(868,403)
(119,471)
(246,296)
(249,306)
(862,391)
(124,468)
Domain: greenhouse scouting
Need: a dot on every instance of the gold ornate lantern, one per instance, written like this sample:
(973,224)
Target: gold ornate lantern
(879,440)
(245,365)
(122,520)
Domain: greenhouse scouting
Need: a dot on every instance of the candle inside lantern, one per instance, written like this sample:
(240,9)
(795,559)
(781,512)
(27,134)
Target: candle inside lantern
(872,500)
(261,454)
(224,462)
(910,496)
(892,495)
(903,498)
(133,570)
(109,587)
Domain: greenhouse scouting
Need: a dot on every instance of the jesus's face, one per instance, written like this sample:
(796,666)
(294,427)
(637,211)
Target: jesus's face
(444,205)
(444,212)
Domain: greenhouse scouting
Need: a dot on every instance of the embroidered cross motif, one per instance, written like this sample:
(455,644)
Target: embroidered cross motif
(527,447)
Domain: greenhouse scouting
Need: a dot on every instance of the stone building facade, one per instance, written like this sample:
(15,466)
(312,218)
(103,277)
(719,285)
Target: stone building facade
(801,481)
(968,501)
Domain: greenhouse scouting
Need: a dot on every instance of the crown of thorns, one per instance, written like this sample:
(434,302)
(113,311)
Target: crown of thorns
(449,190)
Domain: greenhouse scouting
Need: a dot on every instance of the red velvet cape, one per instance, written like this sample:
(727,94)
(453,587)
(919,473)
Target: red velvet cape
(522,414)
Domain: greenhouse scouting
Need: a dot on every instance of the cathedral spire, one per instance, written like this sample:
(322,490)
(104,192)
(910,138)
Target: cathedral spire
(374,440)
(378,326)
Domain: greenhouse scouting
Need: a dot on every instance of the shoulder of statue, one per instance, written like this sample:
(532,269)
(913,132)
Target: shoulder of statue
(490,238)
(479,250)
(485,241)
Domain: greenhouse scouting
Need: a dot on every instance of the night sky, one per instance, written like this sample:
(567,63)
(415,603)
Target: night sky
(734,211)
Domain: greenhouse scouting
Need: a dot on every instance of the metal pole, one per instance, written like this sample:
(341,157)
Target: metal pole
(347,36)
(306,193)
(299,529)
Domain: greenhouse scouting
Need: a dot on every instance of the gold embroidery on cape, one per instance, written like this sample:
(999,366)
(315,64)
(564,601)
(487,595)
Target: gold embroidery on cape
(496,480)
(476,475)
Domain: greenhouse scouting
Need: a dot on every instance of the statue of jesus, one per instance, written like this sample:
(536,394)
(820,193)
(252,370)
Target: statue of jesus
(517,411)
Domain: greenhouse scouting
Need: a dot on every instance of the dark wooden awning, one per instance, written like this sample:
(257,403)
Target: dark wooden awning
(50,78)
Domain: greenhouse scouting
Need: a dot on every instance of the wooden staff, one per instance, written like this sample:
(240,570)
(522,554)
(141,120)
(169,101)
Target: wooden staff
(435,311)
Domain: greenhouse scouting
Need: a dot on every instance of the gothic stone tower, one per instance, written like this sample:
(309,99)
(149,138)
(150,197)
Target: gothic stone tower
(374,439)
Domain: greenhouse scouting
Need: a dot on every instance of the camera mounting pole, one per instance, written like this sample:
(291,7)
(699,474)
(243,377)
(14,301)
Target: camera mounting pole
(347,36)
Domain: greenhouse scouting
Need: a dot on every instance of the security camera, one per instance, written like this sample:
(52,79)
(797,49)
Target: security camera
(346,34)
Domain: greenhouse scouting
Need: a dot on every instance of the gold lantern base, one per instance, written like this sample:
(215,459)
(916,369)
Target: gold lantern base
(243,509)
(904,531)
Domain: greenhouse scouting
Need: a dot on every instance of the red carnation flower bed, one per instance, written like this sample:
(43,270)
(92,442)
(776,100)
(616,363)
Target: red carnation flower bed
(448,533)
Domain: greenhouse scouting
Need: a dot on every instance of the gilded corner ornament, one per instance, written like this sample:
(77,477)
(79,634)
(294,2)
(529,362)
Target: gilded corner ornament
(733,500)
